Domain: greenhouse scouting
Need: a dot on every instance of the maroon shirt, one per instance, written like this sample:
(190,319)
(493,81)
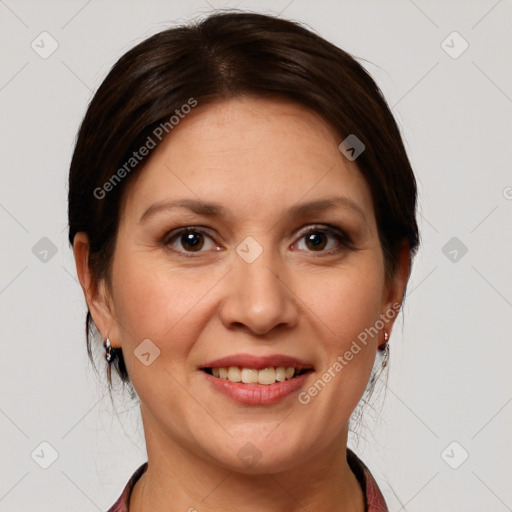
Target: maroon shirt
(374,501)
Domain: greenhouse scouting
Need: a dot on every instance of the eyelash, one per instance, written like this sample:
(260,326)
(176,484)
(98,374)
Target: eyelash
(326,229)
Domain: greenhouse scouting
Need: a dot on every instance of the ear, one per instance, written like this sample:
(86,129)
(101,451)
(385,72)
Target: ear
(395,289)
(96,293)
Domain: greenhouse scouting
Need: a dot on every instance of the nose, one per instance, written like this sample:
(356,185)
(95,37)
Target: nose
(257,297)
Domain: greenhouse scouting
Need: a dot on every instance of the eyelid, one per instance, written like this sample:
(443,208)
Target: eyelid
(173,233)
(328,228)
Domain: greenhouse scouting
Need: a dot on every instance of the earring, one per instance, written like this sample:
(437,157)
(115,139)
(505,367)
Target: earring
(109,351)
(385,349)
(385,344)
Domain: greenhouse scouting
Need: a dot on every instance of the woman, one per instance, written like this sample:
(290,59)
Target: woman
(242,215)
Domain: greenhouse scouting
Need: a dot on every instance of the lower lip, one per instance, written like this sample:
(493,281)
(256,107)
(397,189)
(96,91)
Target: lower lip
(257,394)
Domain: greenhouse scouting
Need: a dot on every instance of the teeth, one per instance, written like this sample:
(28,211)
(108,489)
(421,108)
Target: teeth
(280,373)
(265,376)
(250,376)
(234,374)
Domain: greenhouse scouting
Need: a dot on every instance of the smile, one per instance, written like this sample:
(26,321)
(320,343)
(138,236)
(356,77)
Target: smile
(257,380)
(265,376)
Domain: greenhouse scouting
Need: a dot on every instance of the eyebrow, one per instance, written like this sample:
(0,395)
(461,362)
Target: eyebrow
(209,209)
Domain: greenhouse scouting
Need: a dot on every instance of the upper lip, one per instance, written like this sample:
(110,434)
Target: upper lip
(258,362)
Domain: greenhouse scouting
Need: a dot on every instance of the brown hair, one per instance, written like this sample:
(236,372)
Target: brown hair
(231,54)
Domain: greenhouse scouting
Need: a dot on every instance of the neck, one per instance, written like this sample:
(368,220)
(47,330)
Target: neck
(178,480)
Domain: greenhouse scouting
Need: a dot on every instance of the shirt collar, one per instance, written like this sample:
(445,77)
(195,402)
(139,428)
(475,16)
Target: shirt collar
(374,500)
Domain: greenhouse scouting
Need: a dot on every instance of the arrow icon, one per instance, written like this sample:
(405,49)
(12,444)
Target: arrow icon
(44,455)
(44,45)
(454,45)
(249,249)
(147,352)
(249,454)
(352,147)
(44,250)
(454,249)
(454,455)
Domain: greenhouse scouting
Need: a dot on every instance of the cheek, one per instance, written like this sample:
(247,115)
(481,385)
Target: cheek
(154,302)
(350,301)
(151,298)
(349,305)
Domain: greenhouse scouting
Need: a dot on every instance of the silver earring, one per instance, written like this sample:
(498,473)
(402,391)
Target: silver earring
(109,356)
(385,348)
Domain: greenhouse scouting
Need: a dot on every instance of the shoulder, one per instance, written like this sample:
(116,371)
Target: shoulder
(121,505)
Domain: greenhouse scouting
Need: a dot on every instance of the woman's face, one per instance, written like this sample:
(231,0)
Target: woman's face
(281,268)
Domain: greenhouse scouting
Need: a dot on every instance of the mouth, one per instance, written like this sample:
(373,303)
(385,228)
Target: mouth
(264,376)
(257,380)
(250,369)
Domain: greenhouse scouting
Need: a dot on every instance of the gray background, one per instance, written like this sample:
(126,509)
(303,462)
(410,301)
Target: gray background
(449,374)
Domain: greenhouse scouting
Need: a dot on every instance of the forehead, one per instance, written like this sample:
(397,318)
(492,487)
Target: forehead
(248,153)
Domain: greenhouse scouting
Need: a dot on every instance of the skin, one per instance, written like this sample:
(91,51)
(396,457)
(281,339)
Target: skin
(257,158)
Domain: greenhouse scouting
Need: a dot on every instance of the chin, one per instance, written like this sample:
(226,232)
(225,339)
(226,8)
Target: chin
(258,452)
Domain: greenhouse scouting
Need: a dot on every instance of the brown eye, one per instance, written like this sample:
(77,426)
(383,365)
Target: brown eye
(189,240)
(316,240)
(324,240)
(192,241)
